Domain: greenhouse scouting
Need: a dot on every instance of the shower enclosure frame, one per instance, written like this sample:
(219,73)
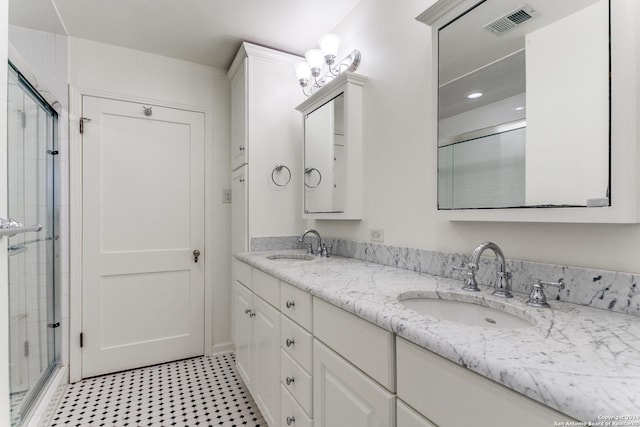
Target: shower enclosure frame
(53,288)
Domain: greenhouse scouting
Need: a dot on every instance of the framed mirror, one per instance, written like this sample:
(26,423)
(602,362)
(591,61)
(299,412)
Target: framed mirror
(524,105)
(324,162)
(333,122)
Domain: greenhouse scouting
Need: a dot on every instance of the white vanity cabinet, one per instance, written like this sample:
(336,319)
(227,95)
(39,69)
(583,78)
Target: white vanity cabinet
(450,395)
(257,327)
(265,132)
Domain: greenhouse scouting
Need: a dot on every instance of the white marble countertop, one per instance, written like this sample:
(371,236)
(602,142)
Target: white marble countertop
(581,361)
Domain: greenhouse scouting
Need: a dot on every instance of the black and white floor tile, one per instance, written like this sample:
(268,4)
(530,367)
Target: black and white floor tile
(204,391)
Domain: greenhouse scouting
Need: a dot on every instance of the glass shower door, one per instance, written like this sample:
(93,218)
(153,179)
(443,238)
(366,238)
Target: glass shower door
(33,352)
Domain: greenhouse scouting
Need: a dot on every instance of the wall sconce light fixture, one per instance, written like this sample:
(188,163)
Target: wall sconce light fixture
(316,59)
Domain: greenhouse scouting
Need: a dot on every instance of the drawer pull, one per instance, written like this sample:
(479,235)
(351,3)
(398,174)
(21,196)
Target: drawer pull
(291,420)
(290,380)
(289,342)
(290,304)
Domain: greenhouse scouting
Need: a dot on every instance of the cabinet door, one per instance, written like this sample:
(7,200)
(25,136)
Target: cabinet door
(239,214)
(266,336)
(407,417)
(244,335)
(345,397)
(239,117)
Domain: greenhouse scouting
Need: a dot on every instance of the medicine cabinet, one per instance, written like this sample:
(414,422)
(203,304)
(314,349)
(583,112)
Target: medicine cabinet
(559,145)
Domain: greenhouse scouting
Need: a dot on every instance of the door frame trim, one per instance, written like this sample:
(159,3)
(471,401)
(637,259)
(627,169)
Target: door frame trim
(75,217)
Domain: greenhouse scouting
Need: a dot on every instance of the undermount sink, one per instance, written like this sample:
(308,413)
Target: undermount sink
(464,312)
(298,257)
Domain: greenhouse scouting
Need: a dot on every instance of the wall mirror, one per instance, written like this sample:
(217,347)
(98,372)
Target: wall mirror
(324,162)
(524,105)
(332,119)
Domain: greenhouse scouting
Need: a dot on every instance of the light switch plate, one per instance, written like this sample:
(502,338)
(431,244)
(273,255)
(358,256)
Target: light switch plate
(226,195)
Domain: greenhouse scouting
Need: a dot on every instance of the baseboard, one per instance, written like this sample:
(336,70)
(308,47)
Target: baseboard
(225,347)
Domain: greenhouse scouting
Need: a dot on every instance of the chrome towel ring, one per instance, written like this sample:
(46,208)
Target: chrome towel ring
(279,168)
(309,171)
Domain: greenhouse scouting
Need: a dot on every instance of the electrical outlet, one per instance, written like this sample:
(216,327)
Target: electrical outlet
(226,195)
(376,235)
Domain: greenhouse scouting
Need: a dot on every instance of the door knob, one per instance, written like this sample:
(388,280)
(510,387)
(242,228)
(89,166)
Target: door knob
(196,255)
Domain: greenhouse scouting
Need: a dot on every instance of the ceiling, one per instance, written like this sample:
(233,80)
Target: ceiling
(202,31)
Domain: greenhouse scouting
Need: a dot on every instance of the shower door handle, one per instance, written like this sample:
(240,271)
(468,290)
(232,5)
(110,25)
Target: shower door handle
(11,227)
(196,255)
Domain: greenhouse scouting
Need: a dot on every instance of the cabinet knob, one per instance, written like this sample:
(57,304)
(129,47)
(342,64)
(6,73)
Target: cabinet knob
(291,420)
(247,310)
(290,380)
(252,313)
(290,304)
(289,342)
(241,148)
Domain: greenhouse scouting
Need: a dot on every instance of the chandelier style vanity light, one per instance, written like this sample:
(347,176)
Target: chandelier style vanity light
(316,59)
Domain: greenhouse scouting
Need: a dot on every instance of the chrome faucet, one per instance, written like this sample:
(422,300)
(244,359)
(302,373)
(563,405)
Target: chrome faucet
(310,246)
(502,285)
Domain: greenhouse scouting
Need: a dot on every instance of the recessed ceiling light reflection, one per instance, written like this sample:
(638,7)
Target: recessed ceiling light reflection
(474,95)
(518,109)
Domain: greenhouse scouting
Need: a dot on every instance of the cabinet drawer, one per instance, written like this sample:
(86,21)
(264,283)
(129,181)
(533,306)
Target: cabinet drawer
(291,413)
(297,305)
(346,333)
(296,342)
(297,381)
(242,273)
(427,382)
(267,287)
(407,417)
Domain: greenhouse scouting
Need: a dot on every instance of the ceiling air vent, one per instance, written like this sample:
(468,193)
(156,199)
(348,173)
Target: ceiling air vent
(511,20)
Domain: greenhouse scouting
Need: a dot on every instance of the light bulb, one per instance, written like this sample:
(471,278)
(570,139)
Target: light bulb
(303,72)
(329,44)
(315,60)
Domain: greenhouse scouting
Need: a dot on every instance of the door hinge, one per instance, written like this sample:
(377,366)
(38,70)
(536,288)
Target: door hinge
(23,118)
(81,122)
(81,340)
(26,349)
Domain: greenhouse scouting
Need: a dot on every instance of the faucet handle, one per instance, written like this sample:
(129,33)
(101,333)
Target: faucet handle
(471,284)
(537,297)
(310,249)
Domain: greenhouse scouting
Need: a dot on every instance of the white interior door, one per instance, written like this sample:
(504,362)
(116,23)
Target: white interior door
(143,217)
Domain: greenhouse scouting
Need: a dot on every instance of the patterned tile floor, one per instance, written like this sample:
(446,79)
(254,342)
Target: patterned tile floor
(204,391)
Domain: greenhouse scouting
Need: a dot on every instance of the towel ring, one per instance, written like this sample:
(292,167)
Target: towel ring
(279,168)
(309,171)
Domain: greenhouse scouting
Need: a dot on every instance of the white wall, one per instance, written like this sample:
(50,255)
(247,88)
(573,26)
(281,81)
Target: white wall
(133,73)
(401,166)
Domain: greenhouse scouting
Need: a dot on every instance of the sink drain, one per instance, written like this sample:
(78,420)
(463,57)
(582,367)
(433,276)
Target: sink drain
(490,320)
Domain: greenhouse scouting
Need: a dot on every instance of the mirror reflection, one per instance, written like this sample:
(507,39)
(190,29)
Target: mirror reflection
(523,105)
(324,158)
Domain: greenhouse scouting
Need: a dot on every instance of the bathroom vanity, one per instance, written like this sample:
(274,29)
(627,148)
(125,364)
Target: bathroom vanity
(370,360)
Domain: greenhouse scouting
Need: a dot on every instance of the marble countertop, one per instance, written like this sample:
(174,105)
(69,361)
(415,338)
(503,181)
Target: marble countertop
(581,361)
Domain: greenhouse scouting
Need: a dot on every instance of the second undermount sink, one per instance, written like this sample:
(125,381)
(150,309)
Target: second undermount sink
(298,257)
(465,312)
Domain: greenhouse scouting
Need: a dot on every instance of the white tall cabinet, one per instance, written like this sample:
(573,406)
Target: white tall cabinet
(265,132)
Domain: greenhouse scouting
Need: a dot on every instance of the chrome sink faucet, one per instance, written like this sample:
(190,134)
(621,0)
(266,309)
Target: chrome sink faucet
(502,284)
(310,246)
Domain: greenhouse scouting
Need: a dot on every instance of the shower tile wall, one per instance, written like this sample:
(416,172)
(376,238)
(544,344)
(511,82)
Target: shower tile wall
(47,56)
